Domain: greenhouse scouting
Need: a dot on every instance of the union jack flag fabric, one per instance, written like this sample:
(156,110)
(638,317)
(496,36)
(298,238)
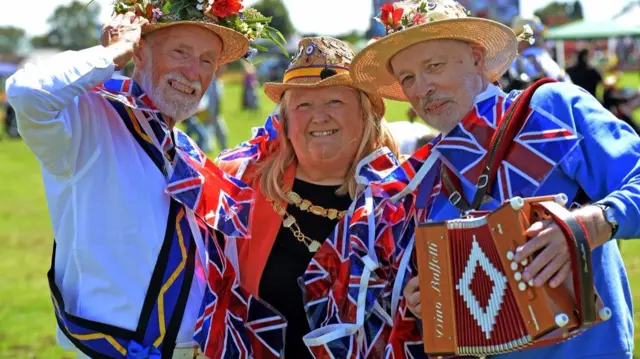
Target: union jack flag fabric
(542,143)
(190,169)
(235,324)
(260,145)
(354,283)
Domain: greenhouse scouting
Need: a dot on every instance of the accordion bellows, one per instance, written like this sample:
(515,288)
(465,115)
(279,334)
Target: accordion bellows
(474,300)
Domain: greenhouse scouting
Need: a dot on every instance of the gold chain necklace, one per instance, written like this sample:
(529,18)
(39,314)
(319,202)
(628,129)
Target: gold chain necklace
(290,222)
(307,206)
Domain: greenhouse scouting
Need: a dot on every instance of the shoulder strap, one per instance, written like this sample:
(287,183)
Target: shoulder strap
(508,128)
(510,125)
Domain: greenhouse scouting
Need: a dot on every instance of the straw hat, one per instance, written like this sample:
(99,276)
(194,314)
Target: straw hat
(234,44)
(414,21)
(236,26)
(319,62)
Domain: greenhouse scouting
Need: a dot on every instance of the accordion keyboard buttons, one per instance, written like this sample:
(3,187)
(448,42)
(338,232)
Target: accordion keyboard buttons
(517,276)
(514,266)
(522,286)
(510,255)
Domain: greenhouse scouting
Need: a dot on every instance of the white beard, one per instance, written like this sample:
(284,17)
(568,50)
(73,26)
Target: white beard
(169,101)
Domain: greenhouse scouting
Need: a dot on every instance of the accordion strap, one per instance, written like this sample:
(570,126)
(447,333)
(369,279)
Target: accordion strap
(578,241)
(509,126)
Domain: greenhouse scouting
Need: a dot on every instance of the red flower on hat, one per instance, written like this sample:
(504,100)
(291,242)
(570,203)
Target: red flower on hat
(390,16)
(224,8)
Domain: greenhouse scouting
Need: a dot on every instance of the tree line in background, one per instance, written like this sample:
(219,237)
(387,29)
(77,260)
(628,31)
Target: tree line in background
(71,27)
(76,26)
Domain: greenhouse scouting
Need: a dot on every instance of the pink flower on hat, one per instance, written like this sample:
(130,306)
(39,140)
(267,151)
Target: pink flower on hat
(419,19)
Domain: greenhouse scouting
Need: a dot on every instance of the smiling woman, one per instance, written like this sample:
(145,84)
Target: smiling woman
(320,125)
(327,140)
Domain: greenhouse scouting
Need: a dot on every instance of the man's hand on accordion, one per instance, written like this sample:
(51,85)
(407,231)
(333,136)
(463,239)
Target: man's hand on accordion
(552,264)
(412,295)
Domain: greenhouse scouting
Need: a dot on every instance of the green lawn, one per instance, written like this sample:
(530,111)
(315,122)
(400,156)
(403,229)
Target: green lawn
(27,324)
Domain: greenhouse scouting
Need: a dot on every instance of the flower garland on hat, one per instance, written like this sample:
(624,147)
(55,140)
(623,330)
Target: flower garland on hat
(405,14)
(400,15)
(227,13)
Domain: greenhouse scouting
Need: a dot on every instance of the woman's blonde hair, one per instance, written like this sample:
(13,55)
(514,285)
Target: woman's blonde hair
(375,135)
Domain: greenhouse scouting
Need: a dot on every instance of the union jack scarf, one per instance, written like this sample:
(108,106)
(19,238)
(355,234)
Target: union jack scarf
(353,286)
(190,169)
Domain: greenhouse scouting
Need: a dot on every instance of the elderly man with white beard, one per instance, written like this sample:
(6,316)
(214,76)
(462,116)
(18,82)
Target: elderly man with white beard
(122,183)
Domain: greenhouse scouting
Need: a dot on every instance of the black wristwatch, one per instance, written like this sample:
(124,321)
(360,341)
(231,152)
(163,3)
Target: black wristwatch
(609,215)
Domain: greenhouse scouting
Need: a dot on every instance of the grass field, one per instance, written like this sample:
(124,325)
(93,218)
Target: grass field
(27,323)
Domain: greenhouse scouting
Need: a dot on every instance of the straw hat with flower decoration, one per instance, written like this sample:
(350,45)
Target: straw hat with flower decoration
(236,25)
(413,21)
(319,62)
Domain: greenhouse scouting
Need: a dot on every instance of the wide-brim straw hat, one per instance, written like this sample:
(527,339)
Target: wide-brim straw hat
(234,44)
(414,21)
(201,13)
(320,62)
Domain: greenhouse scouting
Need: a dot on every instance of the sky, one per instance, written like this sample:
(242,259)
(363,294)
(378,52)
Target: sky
(328,17)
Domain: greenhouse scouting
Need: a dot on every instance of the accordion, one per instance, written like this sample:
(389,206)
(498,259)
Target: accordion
(474,301)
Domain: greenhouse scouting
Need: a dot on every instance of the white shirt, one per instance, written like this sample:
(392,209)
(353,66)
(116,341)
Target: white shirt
(407,134)
(106,197)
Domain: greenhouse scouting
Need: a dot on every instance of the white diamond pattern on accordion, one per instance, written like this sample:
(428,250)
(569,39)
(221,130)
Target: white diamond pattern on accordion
(485,317)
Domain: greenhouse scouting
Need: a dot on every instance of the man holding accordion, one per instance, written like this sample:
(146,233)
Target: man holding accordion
(512,153)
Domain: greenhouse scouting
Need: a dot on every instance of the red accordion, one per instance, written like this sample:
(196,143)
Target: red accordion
(474,300)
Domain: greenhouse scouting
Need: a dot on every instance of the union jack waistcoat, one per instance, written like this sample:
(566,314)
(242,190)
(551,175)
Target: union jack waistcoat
(189,239)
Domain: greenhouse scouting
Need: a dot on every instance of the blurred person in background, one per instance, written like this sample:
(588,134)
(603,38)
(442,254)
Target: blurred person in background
(583,74)
(622,102)
(249,87)
(215,124)
(534,60)
(197,129)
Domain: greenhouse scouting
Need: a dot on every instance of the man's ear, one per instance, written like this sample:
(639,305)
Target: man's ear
(139,53)
(478,55)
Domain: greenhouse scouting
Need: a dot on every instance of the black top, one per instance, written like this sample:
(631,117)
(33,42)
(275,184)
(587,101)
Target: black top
(289,260)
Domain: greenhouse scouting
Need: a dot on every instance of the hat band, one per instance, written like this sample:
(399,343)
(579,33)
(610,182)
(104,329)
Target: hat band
(310,72)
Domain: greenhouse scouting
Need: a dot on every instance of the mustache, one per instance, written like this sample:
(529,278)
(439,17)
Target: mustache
(426,101)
